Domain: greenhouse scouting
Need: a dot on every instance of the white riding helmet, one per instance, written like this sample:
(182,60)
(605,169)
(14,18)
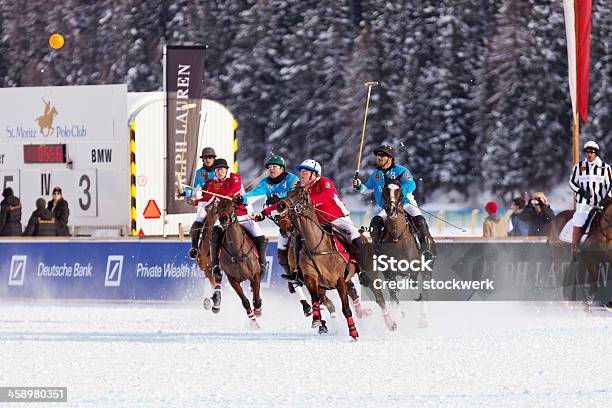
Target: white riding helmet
(311,165)
(591,145)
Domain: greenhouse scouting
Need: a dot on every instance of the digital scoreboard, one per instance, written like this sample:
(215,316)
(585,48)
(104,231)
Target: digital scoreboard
(47,153)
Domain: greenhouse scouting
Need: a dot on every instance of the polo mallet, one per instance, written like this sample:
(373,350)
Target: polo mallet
(369,84)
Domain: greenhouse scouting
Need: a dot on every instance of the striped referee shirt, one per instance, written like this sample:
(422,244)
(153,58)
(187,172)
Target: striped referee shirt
(595,177)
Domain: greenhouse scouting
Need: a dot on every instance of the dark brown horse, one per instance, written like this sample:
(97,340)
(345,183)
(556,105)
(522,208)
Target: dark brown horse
(203,259)
(238,258)
(399,232)
(581,275)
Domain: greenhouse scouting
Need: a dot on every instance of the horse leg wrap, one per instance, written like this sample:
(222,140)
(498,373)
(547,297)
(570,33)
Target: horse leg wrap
(351,326)
(358,307)
(316,310)
(250,314)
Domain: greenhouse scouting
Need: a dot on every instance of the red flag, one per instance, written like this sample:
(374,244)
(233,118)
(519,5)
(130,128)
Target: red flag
(583,28)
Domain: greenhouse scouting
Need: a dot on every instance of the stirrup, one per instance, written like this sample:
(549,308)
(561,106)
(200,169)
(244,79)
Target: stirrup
(291,277)
(427,254)
(216,272)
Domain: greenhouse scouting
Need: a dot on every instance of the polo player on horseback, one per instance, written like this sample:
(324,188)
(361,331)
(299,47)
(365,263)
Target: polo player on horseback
(328,205)
(591,180)
(203,176)
(230,184)
(387,168)
(273,187)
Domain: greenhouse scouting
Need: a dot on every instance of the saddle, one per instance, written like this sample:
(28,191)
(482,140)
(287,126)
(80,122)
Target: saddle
(339,246)
(249,239)
(566,232)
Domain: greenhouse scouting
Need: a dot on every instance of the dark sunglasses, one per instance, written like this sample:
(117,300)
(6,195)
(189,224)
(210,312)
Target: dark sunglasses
(591,151)
(382,155)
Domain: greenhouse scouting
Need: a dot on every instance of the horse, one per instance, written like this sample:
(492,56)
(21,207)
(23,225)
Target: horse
(322,265)
(399,231)
(45,122)
(203,260)
(286,229)
(239,260)
(583,271)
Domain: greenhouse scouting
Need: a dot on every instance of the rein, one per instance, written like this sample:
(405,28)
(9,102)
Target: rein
(236,258)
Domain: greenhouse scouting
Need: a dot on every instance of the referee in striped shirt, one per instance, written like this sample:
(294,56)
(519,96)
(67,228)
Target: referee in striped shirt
(591,180)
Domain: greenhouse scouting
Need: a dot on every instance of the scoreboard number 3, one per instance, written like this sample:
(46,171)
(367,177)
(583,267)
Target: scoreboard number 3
(85,184)
(86,193)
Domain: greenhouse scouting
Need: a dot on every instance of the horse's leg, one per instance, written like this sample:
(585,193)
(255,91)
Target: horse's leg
(329,305)
(216,297)
(313,287)
(322,297)
(255,287)
(380,301)
(346,309)
(424,296)
(354,295)
(305,305)
(245,302)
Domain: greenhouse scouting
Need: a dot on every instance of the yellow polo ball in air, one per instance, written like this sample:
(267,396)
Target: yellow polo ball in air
(56,41)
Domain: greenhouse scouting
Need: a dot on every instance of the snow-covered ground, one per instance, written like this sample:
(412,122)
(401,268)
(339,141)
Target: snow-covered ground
(476,354)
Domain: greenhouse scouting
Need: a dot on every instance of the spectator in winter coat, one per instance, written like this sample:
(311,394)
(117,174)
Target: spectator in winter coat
(494,226)
(538,214)
(518,227)
(10,214)
(59,208)
(42,223)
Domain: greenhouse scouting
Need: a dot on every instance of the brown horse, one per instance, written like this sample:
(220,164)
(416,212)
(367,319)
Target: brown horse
(583,273)
(213,302)
(320,262)
(238,258)
(399,231)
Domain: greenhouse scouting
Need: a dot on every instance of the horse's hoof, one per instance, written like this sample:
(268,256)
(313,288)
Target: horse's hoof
(258,312)
(207,303)
(390,323)
(306,308)
(315,324)
(254,324)
(323,328)
(423,323)
(354,334)
(216,309)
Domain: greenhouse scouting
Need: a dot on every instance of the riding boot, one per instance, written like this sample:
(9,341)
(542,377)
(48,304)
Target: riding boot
(423,233)
(261,243)
(283,261)
(196,233)
(576,235)
(215,243)
(377,224)
(358,250)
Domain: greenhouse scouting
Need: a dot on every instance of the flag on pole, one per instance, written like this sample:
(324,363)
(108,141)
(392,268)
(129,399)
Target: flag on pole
(578,32)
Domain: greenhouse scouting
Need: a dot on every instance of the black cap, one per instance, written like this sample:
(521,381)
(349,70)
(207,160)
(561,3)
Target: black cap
(208,151)
(219,163)
(57,190)
(7,192)
(385,149)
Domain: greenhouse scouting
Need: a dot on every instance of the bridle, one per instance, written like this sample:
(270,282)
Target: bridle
(393,210)
(232,221)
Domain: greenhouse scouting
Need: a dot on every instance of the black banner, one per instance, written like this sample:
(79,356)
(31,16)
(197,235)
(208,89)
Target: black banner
(184,92)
